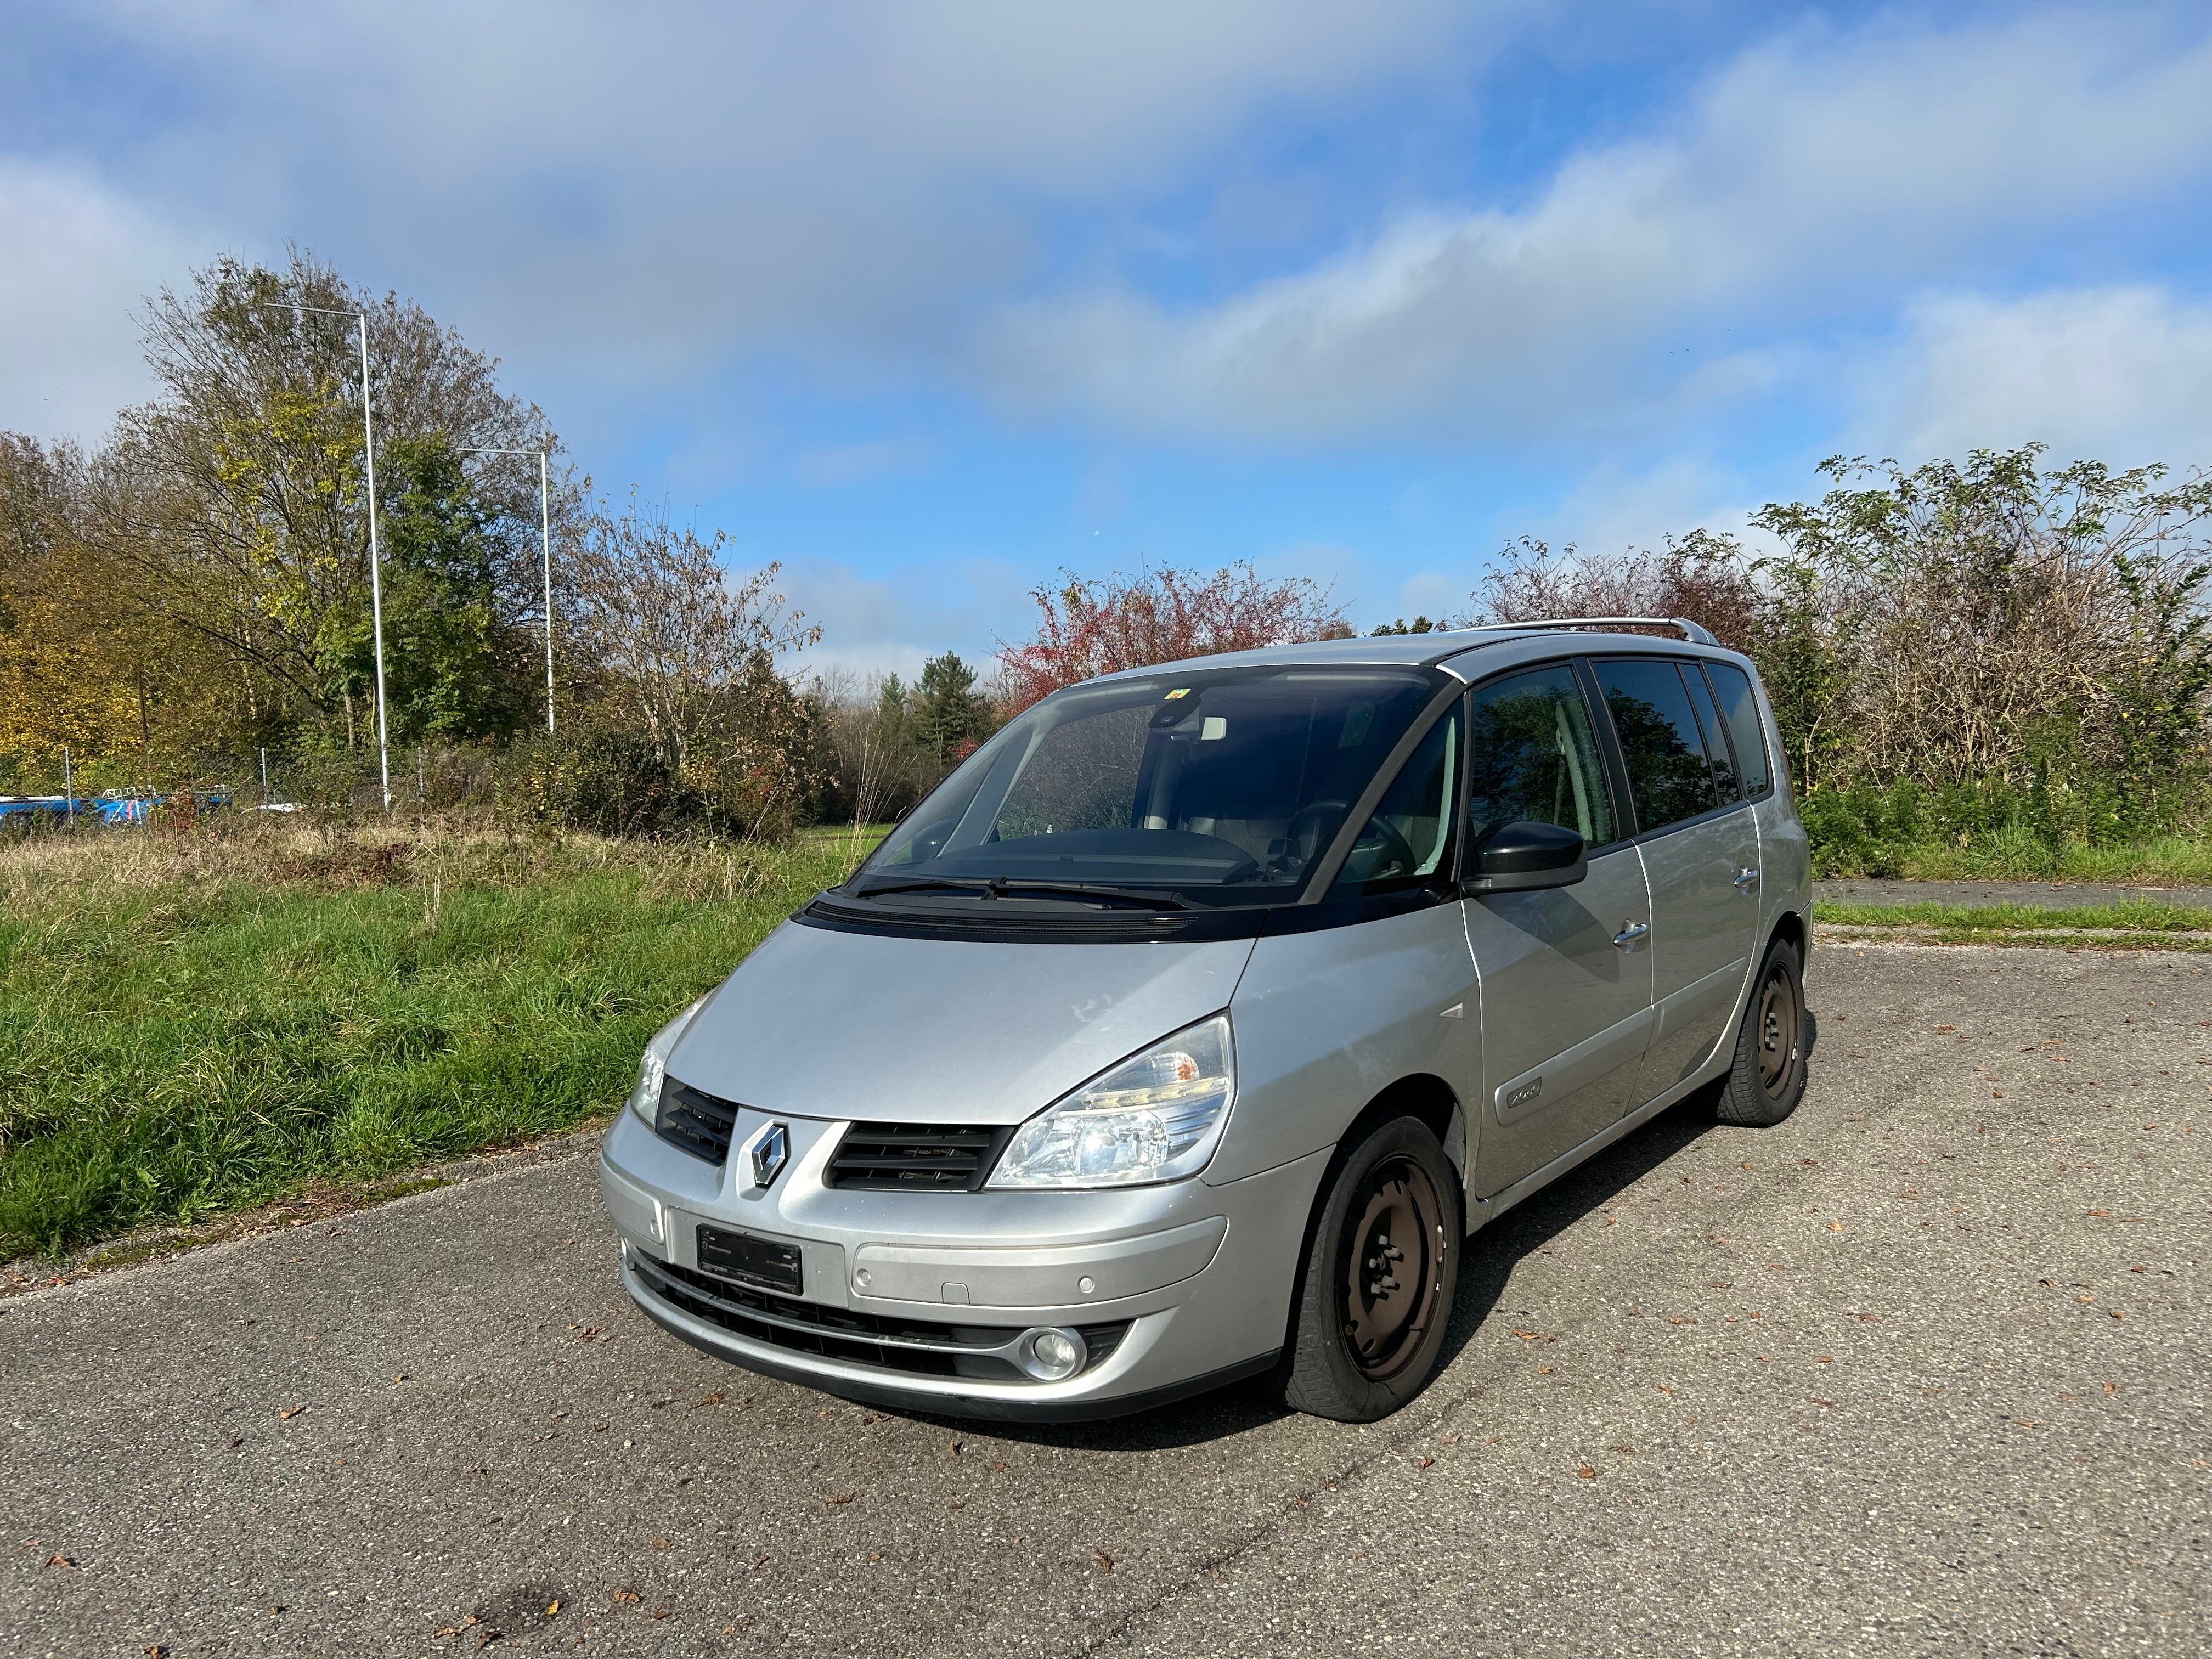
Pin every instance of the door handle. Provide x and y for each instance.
(1744, 879)
(1630, 933)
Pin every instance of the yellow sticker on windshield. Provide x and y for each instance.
(1180, 691)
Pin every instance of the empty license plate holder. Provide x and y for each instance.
(766, 1264)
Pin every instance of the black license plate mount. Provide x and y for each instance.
(765, 1264)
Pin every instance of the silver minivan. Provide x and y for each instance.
(1185, 1032)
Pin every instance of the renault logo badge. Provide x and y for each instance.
(767, 1153)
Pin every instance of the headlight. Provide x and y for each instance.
(653, 1070)
(1155, 1117)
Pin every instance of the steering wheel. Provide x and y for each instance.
(1294, 833)
(1396, 851)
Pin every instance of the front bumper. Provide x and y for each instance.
(916, 1299)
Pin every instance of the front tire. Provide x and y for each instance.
(1767, 1079)
(1381, 1271)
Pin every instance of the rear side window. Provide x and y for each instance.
(1741, 709)
(1665, 751)
(1716, 743)
(1530, 754)
(1407, 838)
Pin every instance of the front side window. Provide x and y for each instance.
(1217, 787)
(1665, 752)
(1741, 709)
(1406, 837)
(1532, 755)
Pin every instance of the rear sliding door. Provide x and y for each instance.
(1700, 844)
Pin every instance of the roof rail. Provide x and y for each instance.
(1693, 632)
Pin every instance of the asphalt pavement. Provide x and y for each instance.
(1923, 1371)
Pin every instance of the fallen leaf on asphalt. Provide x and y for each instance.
(662, 1611)
(1545, 1371)
(2111, 1388)
(1766, 1359)
(1827, 1359)
(660, 1543)
(286, 1416)
(627, 1596)
(1835, 1226)
(711, 1399)
(2116, 1313)
(2100, 1212)
(758, 1562)
(1529, 1336)
(834, 1501)
(1586, 1471)
(59, 1561)
(237, 1441)
(553, 1608)
(1426, 1462)
(1105, 1561)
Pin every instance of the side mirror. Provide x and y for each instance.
(1522, 856)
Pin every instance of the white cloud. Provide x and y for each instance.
(641, 190)
(891, 625)
(1806, 177)
(78, 259)
(2123, 374)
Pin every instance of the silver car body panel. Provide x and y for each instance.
(1565, 1013)
(1470, 1001)
(1342, 1013)
(841, 1025)
(1704, 925)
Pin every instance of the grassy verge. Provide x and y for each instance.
(191, 1027)
(2170, 861)
(2136, 925)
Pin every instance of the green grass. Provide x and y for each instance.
(189, 1029)
(2018, 855)
(2135, 925)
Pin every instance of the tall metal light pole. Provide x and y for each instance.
(375, 562)
(545, 548)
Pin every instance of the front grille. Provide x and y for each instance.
(924, 1348)
(695, 1121)
(916, 1157)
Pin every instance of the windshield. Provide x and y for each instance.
(1219, 787)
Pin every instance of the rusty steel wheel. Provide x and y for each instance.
(1382, 1264)
(1393, 1260)
(1767, 1079)
(1781, 1031)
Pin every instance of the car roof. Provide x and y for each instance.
(1409, 650)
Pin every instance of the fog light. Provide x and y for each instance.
(1053, 1356)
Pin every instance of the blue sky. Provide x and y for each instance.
(929, 302)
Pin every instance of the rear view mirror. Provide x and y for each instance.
(1524, 855)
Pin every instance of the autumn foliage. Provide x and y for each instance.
(1086, 628)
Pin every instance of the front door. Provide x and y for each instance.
(1566, 980)
(1700, 849)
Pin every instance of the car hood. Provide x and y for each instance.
(832, 1024)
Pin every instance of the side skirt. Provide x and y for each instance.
(1482, 1212)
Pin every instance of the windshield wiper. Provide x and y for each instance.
(1000, 886)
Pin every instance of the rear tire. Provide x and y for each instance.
(1381, 1271)
(1767, 1079)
